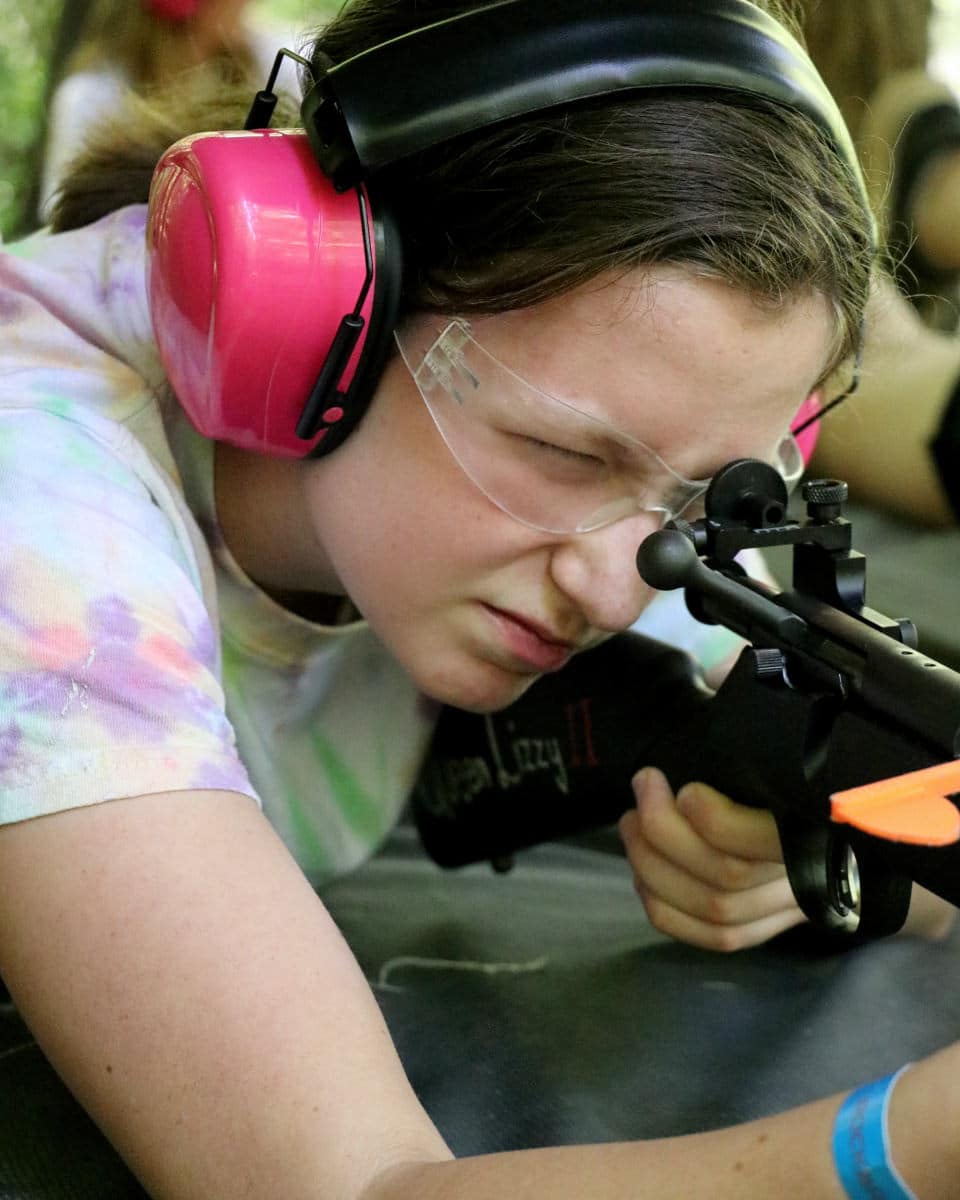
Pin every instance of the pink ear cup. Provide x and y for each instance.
(808, 439)
(253, 260)
(172, 10)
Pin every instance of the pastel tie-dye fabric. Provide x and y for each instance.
(135, 656)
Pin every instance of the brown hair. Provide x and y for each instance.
(736, 188)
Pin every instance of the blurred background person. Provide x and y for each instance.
(877, 57)
(897, 440)
(142, 46)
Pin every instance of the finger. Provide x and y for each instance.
(692, 858)
(661, 881)
(746, 832)
(725, 939)
(657, 825)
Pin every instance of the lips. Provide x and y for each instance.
(530, 644)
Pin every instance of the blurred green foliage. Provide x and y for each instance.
(29, 32)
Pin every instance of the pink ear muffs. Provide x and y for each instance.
(254, 265)
(807, 439)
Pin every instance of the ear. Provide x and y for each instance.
(255, 265)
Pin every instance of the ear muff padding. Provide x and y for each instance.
(254, 262)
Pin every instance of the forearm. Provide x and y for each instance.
(787, 1155)
(762, 1159)
(183, 978)
(216, 1026)
(879, 440)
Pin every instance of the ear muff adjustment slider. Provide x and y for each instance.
(318, 410)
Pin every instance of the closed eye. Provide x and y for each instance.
(577, 457)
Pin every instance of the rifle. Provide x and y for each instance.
(831, 718)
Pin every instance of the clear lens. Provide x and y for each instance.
(541, 460)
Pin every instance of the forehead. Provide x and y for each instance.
(654, 352)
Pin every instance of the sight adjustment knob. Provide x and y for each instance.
(825, 498)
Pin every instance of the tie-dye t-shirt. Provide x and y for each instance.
(135, 655)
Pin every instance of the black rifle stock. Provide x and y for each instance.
(828, 695)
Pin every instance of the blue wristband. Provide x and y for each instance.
(861, 1146)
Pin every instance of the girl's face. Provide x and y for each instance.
(473, 603)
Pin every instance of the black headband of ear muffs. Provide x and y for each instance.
(516, 57)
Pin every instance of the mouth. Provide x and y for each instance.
(532, 647)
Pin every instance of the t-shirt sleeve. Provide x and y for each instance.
(109, 661)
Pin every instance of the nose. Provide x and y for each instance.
(597, 571)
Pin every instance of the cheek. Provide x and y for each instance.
(405, 530)
(396, 519)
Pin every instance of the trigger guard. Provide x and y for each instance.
(815, 857)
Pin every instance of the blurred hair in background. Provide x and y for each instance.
(46, 41)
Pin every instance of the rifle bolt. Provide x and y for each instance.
(768, 662)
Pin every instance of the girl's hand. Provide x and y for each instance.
(708, 871)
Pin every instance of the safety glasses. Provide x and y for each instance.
(539, 459)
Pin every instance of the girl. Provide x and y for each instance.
(221, 660)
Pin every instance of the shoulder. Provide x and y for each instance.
(74, 307)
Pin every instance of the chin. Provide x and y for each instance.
(478, 694)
